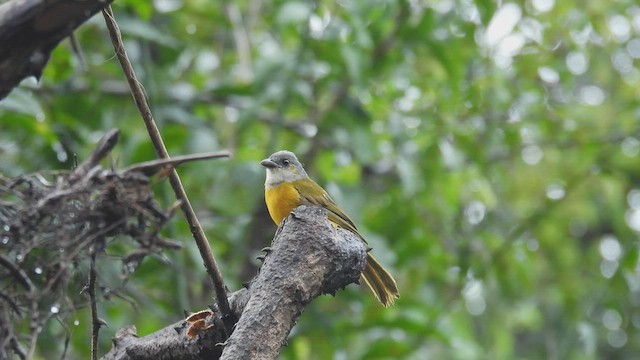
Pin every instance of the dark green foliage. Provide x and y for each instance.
(495, 175)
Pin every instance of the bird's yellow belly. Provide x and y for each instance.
(281, 200)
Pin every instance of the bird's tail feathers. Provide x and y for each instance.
(380, 282)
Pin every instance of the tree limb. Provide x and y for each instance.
(308, 258)
(31, 29)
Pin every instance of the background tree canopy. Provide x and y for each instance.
(488, 152)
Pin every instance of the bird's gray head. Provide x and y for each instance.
(283, 166)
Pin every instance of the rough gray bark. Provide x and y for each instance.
(308, 258)
(31, 29)
(173, 341)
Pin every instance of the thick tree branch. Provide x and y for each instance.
(308, 258)
(31, 29)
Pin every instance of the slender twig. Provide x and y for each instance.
(75, 45)
(152, 167)
(102, 149)
(36, 327)
(17, 273)
(95, 321)
(17, 348)
(11, 303)
(196, 229)
(67, 337)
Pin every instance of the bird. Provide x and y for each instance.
(288, 186)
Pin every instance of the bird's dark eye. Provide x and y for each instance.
(286, 162)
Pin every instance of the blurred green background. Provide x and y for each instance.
(488, 151)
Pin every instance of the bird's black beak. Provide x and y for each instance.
(268, 163)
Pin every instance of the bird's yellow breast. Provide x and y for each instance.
(281, 200)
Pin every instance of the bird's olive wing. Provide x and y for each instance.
(313, 194)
